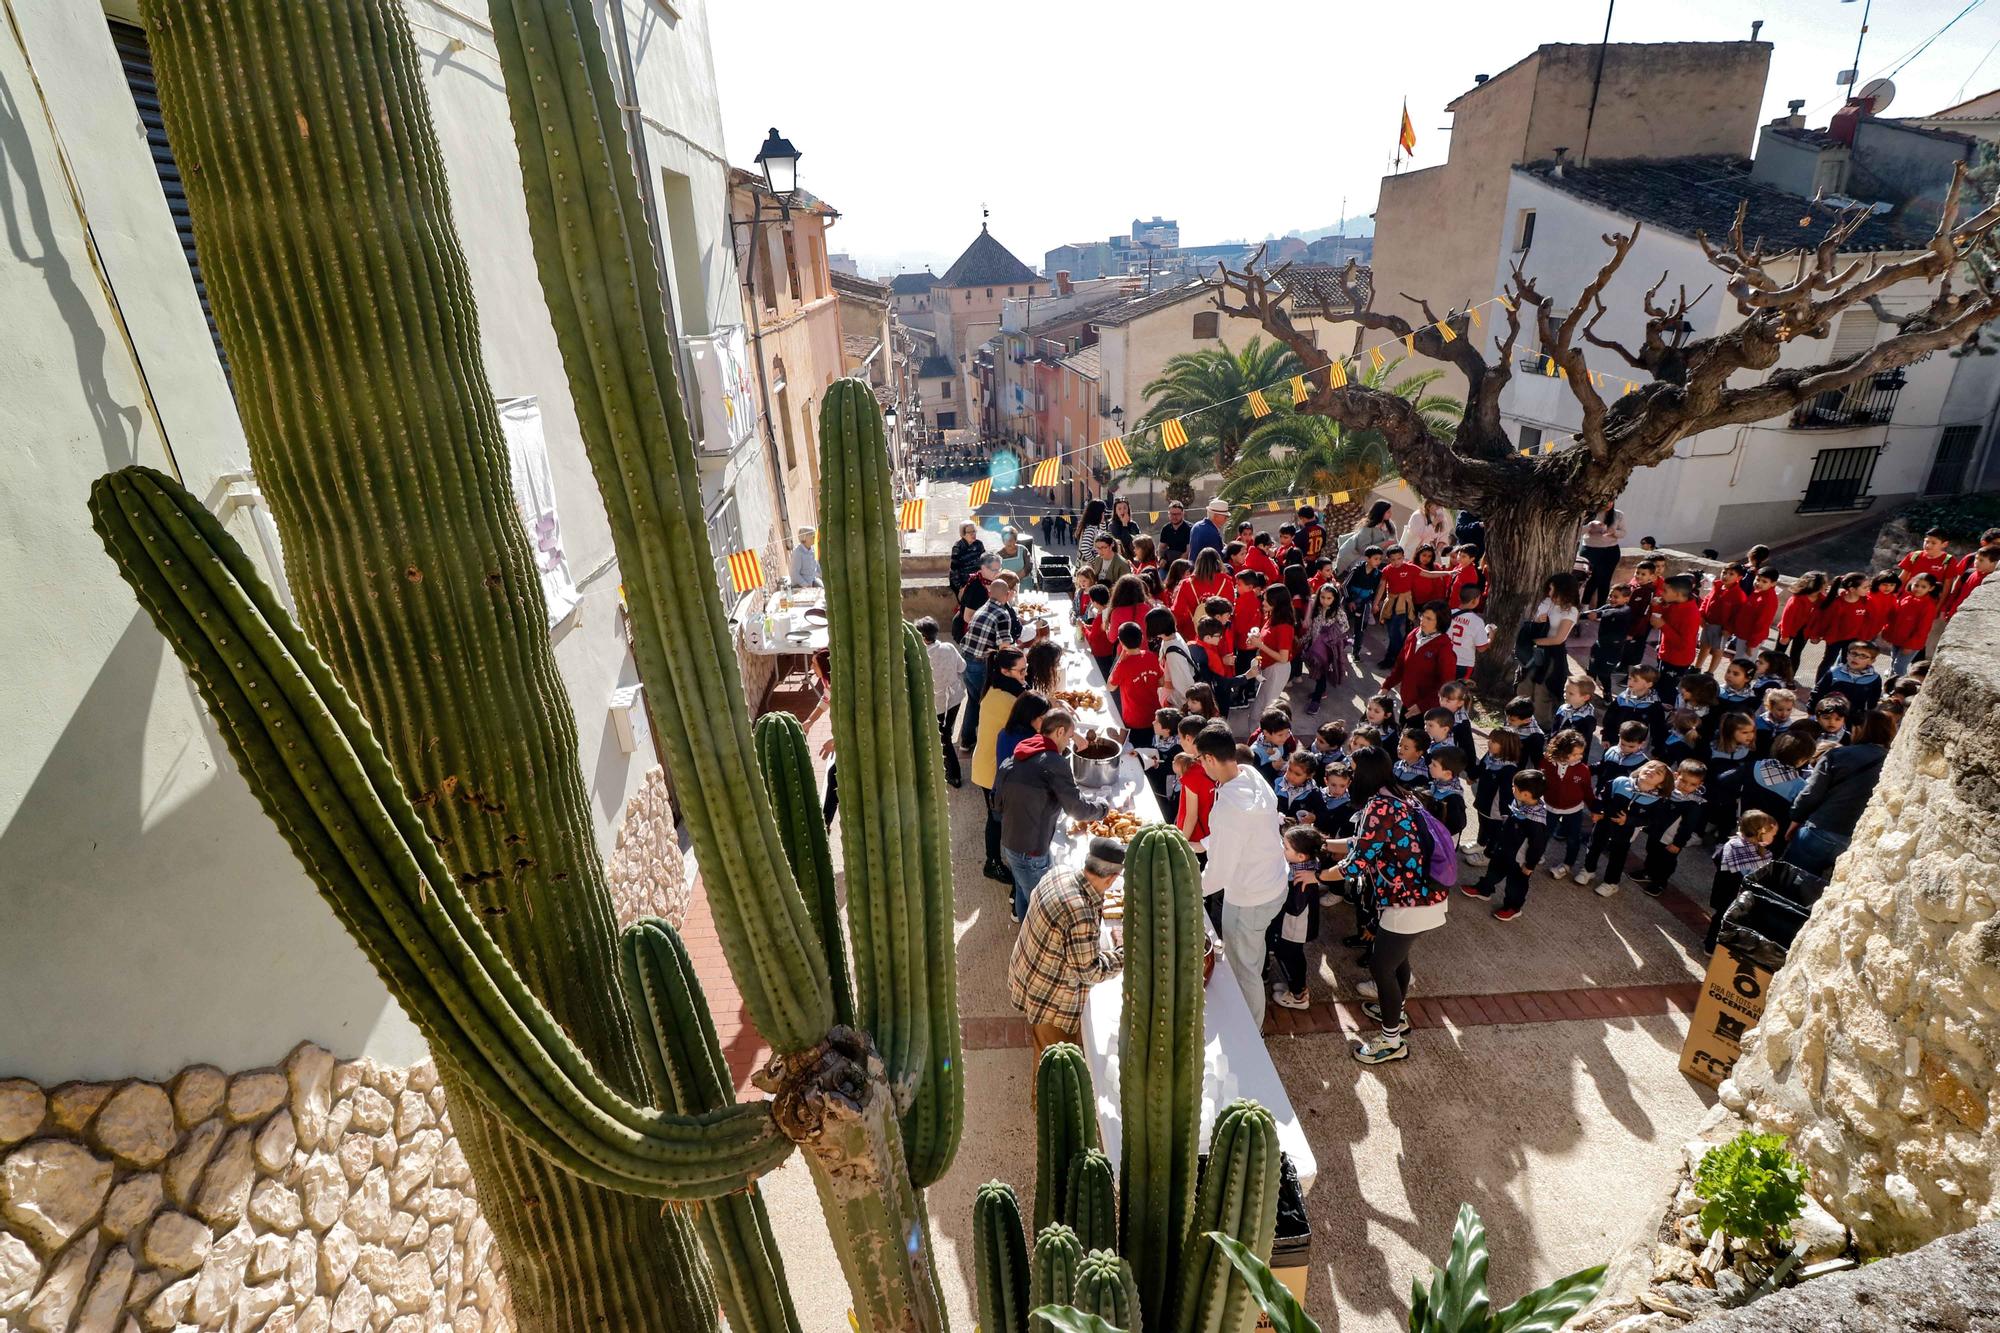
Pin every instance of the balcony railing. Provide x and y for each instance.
(1869, 402)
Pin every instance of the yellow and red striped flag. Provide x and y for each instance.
(1115, 453)
(1410, 343)
(912, 517)
(1548, 446)
(1336, 374)
(1505, 304)
(1047, 472)
(1298, 389)
(1473, 311)
(1258, 407)
(1173, 434)
(981, 492)
(1446, 332)
(1629, 386)
(1406, 137)
(1376, 359)
(746, 571)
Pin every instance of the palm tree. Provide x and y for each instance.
(1292, 455)
(1207, 389)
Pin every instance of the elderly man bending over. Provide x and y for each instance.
(1059, 953)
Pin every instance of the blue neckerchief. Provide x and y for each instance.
(1629, 788)
(1697, 795)
(1780, 777)
(1763, 683)
(1444, 791)
(1525, 729)
(1496, 763)
(1461, 715)
(1765, 722)
(1632, 760)
(1631, 700)
(1730, 696)
(1266, 750)
(1534, 814)
(1433, 748)
(1736, 753)
(1700, 712)
(1409, 770)
(1841, 671)
(1566, 715)
(1333, 802)
(1287, 791)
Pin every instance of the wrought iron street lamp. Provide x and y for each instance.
(779, 162)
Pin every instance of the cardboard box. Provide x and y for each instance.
(1294, 1277)
(1732, 1000)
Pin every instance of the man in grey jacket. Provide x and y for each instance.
(1034, 789)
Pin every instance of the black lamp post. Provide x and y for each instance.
(779, 162)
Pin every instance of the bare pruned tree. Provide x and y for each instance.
(1534, 505)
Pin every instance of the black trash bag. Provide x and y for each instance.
(1293, 1242)
(1760, 926)
(1784, 880)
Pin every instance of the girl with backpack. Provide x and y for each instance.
(1401, 858)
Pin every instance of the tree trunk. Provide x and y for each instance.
(1529, 537)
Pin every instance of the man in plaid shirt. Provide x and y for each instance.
(994, 625)
(1058, 954)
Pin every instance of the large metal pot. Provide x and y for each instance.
(1095, 763)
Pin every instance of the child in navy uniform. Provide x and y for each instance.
(1409, 767)
(1457, 696)
(1684, 738)
(1855, 677)
(1297, 789)
(1524, 837)
(1298, 920)
(1636, 702)
(1736, 860)
(1384, 713)
(1611, 654)
(1520, 714)
(1729, 761)
(1621, 813)
(1674, 824)
(1445, 766)
(1632, 747)
(1336, 812)
(1778, 713)
(1569, 787)
(1773, 672)
(1492, 789)
(1739, 691)
(1578, 711)
(1439, 726)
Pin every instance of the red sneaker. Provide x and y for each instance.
(1507, 914)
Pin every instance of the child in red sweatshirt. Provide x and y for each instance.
(1756, 616)
(1844, 618)
(1677, 616)
(1719, 609)
(1909, 627)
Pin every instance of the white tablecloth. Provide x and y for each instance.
(1235, 1062)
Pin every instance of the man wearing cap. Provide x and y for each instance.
(1174, 534)
(1059, 953)
(1208, 532)
(805, 565)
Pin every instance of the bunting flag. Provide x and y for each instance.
(1047, 472)
(1258, 407)
(981, 492)
(1376, 359)
(1152, 516)
(1298, 389)
(1562, 372)
(1505, 304)
(1115, 453)
(1476, 320)
(1629, 386)
(1338, 498)
(1173, 434)
(1445, 331)
(746, 571)
(912, 518)
(1336, 374)
(1410, 342)
(1272, 507)
(1548, 446)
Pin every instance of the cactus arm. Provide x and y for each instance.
(1105, 1288)
(735, 1230)
(1088, 1202)
(595, 258)
(1239, 1198)
(1052, 1270)
(936, 1119)
(786, 762)
(869, 702)
(1161, 1051)
(1065, 1125)
(320, 774)
(1000, 1260)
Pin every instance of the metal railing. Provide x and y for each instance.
(1868, 402)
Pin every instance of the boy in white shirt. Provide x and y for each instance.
(1468, 630)
(947, 691)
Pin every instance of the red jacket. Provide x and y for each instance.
(1569, 785)
(1249, 614)
(1881, 608)
(1965, 589)
(1754, 617)
(1191, 594)
(1421, 669)
(1723, 602)
(1800, 616)
(1841, 620)
(1910, 623)
(1254, 558)
(1916, 562)
(1680, 630)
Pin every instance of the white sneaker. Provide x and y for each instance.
(1472, 856)
(1583, 878)
(1329, 898)
(1560, 872)
(1284, 999)
(1607, 889)
(1368, 990)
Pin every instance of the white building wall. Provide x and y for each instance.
(1728, 488)
(150, 917)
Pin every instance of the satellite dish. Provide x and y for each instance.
(1878, 93)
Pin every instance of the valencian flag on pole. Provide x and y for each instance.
(1406, 138)
(745, 571)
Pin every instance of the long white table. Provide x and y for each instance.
(1235, 1062)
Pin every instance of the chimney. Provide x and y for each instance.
(1794, 119)
(1756, 26)
(1062, 282)
(1562, 153)
(1478, 79)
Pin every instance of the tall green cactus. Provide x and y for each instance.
(1052, 1269)
(1065, 1125)
(1161, 1055)
(322, 216)
(999, 1260)
(1239, 1198)
(1089, 1202)
(786, 763)
(1105, 1287)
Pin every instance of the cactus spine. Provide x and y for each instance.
(345, 306)
(786, 763)
(1053, 1265)
(1065, 1125)
(999, 1259)
(1239, 1198)
(1089, 1200)
(1105, 1288)
(1161, 1060)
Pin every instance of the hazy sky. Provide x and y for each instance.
(1241, 119)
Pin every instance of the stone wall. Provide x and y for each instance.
(323, 1195)
(646, 873)
(1878, 1047)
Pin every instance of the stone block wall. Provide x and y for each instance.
(323, 1195)
(1880, 1038)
